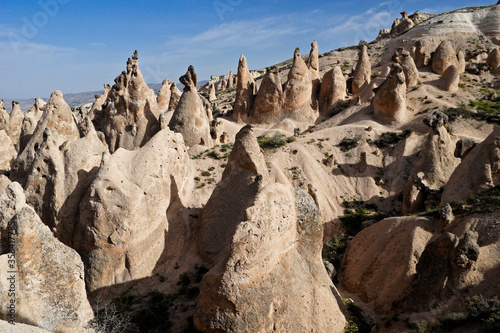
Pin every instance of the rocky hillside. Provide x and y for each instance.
(351, 191)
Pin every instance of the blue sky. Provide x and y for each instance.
(76, 46)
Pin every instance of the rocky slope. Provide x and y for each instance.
(208, 210)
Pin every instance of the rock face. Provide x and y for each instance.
(479, 170)
(245, 91)
(402, 25)
(451, 78)
(123, 217)
(298, 91)
(190, 118)
(175, 96)
(422, 56)
(444, 56)
(313, 65)
(410, 69)
(212, 95)
(4, 117)
(50, 291)
(57, 120)
(267, 104)
(130, 118)
(461, 61)
(164, 95)
(333, 91)
(30, 121)
(16, 118)
(244, 291)
(7, 152)
(389, 102)
(494, 59)
(230, 80)
(363, 71)
(95, 112)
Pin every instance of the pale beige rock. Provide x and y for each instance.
(410, 70)
(333, 91)
(245, 91)
(402, 25)
(494, 59)
(4, 117)
(479, 170)
(313, 65)
(16, 118)
(50, 280)
(164, 95)
(212, 95)
(461, 61)
(7, 152)
(389, 102)
(362, 72)
(131, 115)
(19, 328)
(298, 92)
(267, 106)
(57, 119)
(4, 182)
(391, 245)
(125, 218)
(230, 80)
(384, 33)
(175, 96)
(30, 122)
(190, 118)
(443, 57)
(451, 78)
(99, 103)
(422, 56)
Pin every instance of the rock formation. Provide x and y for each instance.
(30, 122)
(402, 25)
(212, 95)
(409, 69)
(243, 292)
(4, 117)
(422, 56)
(333, 91)
(461, 61)
(124, 217)
(245, 91)
(463, 147)
(7, 152)
(190, 118)
(389, 102)
(130, 118)
(95, 113)
(267, 104)
(451, 78)
(175, 96)
(164, 94)
(50, 288)
(298, 91)
(313, 65)
(230, 80)
(16, 118)
(494, 59)
(479, 170)
(362, 73)
(444, 56)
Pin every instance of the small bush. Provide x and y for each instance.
(389, 139)
(206, 174)
(214, 154)
(357, 322)
(349, 143)
(276, 141)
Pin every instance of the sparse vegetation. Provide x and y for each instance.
(389, 139)
(485, 111)
(349, 143)
(276, 141)
(357, 322)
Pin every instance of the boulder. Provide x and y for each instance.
(190, 118)
(267, 104)
(164, 94)
(245, 91)
(494, 59)
(363, 71)
(333, 91)
(463, 147)
(50, 287)
(444, 56)
(389, 102)
(451, 78)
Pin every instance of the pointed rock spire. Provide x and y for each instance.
(444, 56)
(362, 72)
(267, 104)
(212, 95)
(164, 94)
(245, 91)
(175, 96)
(389, 102)
(333, 90)
(230, 80)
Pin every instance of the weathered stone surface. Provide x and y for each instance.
(245, 91)
(402, 25)
(479, 170)
(463, 147)
(175, 96)
(313, 65)
(410, 70)
(212, 95)
(16, 118)
(50, 282)
(164, 95)
(267, 105)
(333, 91)
(363, 71)
(190, 118)
(422, 55)
(57, 120)
(444, 56)
(100, 103)
(7, 152)
(494, 59)
(389, 102)
(461, 61)
(123, 217)
(230, 80)
(4, 117)
(451, 78)
(20, 328)
(30, 122)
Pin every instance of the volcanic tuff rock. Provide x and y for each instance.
(262, 244)
(164, 94)
(211, 95)
(478, 171)
(230, 80)
(494, 59)
(30, 122)
(50, 284)
(130, 117)
(422, 56)
(95, 113)
(190, 118)
(4, 117)
(362, 73)
(443, 57)
(267, 104)
(461, 61)
(451, 78)
(175, 96)
(245, 90)
(123, 222)
(333, 91)
(16, 118)
(7, 152)
(402, 25)
(389, 102)
(410, 70)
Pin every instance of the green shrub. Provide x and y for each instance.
(276, 141)
(389, 139)
(349, 143)
(357, 322)
(206, 174)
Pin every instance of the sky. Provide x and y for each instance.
(77, 46)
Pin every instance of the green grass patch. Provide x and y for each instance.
(275, 141)
(487, 111)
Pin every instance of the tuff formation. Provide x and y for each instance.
(362, 73)
(443, 57)
(267, 106)
(389, 102)
(245, 91)
(333, 91)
